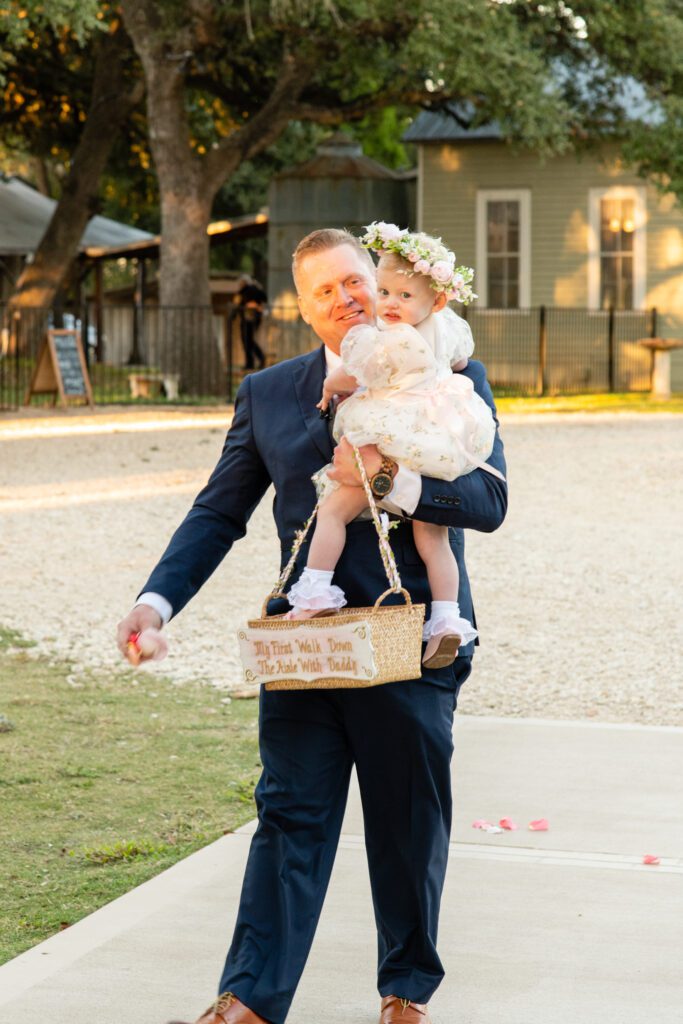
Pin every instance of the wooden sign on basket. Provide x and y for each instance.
(61, 369)
(357, 647)
(342, 652)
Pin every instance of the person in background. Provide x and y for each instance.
(252, 303)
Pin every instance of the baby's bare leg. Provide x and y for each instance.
(336, 511)
(433, 548)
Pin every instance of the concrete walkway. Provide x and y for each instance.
(561, 927)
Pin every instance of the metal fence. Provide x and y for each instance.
(550, 350)
(193, 354)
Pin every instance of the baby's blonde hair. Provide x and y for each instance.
(392, 261)
(400, 265)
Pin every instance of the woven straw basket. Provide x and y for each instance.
(395, 630)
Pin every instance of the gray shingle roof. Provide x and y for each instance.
(440, 126)
(25, 214)
(631, 102)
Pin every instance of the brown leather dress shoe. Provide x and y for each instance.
(402, 1011)
(227, 1009)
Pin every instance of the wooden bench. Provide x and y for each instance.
(154, 385)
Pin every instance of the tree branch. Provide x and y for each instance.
(266, 126)
(358, 108)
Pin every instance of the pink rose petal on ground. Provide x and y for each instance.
(540, 825)
(508, 824)
(480, 823)
(651, 858)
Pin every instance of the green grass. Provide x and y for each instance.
(628, 402)
(104, 782)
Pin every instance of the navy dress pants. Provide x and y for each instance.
(399, 736)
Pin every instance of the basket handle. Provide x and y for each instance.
(408, 599)
(385, 551)
(264, 606)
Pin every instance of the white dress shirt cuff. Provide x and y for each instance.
(158, 603)
(404, 496)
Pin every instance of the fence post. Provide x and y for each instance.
(84, 331)
(610, 349)
(653, 334)
(229, 318)
(99, 317)
(542, 352)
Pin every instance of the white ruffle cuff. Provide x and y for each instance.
(450, 624)
(311, 595)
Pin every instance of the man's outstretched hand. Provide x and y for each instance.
(140, 618)
(345, 470)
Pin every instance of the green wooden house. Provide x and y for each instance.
(567, 233)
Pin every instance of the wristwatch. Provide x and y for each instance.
(382, 482)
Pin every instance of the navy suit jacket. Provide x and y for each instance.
(277, 437)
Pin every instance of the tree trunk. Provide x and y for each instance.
(189, 347)
(185, 215)
(109, 108)
(188, 183)
(186, 344)
(186, 195)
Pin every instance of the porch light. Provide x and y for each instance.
(629, 225)
(615, 224)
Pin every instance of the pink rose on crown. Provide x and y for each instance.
(413, 257)
(422, 267)
(442, 272)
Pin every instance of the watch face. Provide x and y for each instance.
(381, 484)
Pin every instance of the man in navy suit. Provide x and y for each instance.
(398, 736)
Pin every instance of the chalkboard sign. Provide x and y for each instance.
(61, 369)
(68, 349)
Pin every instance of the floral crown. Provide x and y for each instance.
(428, 255)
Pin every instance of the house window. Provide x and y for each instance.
(617, 228)
(617, 254)
(503, 241)
(502, 246)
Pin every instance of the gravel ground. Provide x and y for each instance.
(578, 595)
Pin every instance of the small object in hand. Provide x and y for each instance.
(152, 644)
(540, 825)
(651, 858)
(133, 649)
(148, 645)
(325, 413)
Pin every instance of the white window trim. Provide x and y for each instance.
(481, 285)
(419, 213)
(595, 195)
